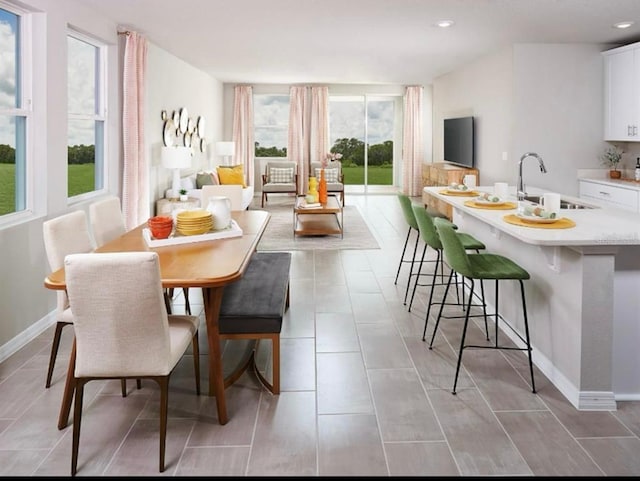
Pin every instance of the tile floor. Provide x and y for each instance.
(362, 395)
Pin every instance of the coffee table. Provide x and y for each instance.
(327, 219)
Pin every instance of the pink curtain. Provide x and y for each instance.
(297, 138)
(412, 142)
(319, 123)
(243, 130)
(135, 183)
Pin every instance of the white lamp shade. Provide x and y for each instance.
(176, 157)
(225, 148)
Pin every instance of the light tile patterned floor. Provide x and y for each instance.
(361, 395)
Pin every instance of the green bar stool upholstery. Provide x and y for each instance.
(480, 267)
(407, 212)
(430, 237)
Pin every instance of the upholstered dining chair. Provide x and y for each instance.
(122, 329)
(65, 234)
(333, 176)
(106, 219)
(280, 177)
(107, 223)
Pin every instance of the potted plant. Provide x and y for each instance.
(611, 158)
(183, 195)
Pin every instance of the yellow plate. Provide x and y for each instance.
(190, 215)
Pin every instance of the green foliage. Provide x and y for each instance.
(352, 151)
(269, 151)
(7, 188)
(81, 154)
(612, 157)
(7, 154)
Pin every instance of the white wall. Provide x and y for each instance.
(482, 89)
(558, 112)
(173, 84)
(543, 98)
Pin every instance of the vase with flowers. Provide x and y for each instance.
(322, 184)
(611, 158)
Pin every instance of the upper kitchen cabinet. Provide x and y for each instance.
(622, 93)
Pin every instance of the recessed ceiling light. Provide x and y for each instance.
(444, 23)
(622, 24)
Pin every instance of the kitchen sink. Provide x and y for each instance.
(564, 204)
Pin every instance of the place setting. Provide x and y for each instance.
(464, 189)
(545, 215)
(495, 201)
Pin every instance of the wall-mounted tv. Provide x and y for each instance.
(459, 141)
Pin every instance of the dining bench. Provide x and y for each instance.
(253, 308)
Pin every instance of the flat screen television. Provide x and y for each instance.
(459, 141)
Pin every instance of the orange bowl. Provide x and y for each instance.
(160, 226)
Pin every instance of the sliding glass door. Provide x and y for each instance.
(365, 129)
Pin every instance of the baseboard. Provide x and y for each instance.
(26, 336)
(581, 400)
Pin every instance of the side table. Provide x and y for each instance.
(169, 206)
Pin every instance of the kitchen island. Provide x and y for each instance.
(583, 298)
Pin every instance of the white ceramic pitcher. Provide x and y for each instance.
(220, 208)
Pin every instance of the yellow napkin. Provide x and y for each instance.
(562, 223)
(462, 193)
(505, 206)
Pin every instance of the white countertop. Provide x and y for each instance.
(594, 227)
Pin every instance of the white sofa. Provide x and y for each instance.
(189, 184)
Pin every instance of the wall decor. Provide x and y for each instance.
(181, 130)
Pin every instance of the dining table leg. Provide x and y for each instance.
(212, 297)
(69, 389)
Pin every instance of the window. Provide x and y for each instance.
(360, 121)
(271, 125)
(14, 110)
(86, 111)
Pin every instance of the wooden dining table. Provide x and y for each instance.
(210, 265)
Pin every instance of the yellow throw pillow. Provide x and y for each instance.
(231, 175)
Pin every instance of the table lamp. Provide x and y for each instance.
(226, 150)
(176, 158)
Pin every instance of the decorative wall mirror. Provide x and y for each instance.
(184, 120)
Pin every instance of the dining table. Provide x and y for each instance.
(210, 265)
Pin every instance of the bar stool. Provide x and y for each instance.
(407, 212)
(481, 266)
(430, 237)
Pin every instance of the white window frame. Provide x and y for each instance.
(23, 190)
(100, 115)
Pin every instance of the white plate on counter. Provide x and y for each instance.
(481, 201)
(534, 219)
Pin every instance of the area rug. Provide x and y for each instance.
(278, 235)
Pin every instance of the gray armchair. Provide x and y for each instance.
(335, 185)
(280, 177)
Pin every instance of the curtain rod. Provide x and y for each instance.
(126, 32)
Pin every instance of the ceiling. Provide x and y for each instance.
(360, 41)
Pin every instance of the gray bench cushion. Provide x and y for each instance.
(256, 303)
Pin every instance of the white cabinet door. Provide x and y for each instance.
(609, 195)
(622, 93)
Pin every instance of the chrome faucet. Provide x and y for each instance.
(521, 192)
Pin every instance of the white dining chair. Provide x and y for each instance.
(122, 329)
(66, 234)
(107, 223)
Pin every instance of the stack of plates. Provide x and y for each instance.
(194, 222)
